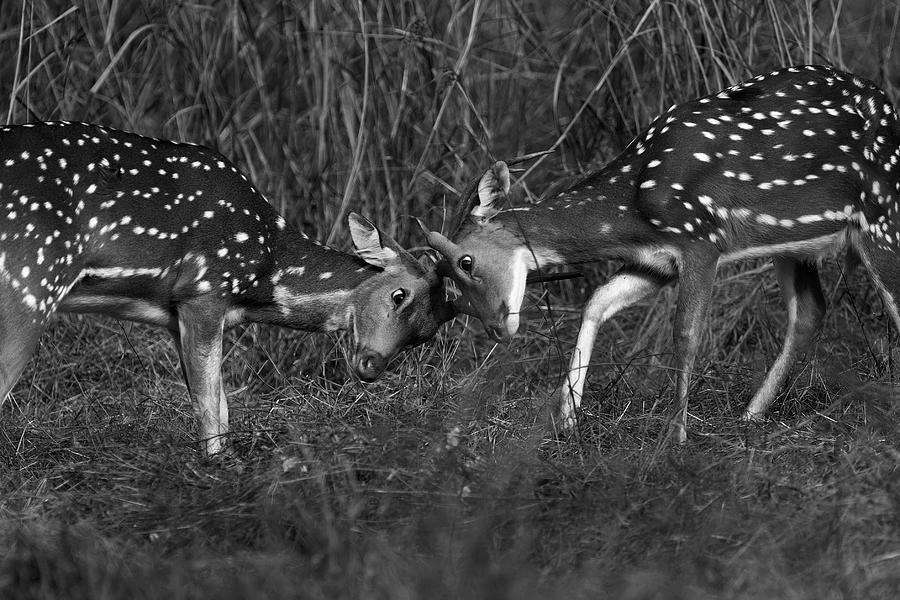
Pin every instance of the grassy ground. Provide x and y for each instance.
(441, 480)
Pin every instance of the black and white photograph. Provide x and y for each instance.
(449, 299)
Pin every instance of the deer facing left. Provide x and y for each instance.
(172, 234)
(796, 165)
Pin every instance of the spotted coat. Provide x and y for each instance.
(107, 214)
(801, 152)
(98, 220)
(795, 165)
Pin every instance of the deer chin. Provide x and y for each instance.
(369, 364)
(512, 323)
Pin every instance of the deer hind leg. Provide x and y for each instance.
(623, 289)
(697, 273)
(883, 266)
(20, 329)
(799, 282)
(199, 342)
(26, 304)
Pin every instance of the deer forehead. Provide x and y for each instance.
(406, 276)
(487, 239)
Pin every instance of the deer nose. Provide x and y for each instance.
(369, 365)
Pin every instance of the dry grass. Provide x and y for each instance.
(439, 481)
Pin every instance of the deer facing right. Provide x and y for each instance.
(796, 165)
(172, 234)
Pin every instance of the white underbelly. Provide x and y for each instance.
(130, 309)
(814, 248)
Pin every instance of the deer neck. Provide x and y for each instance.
(594, 220)
(311, 285)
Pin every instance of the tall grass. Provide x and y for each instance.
(438, 481)
(390, 107)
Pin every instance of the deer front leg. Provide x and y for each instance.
(696, 275)
(224, 427)
(200, 329)
(623, 289)
(799, 283)
(223, 398)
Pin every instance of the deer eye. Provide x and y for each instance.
(398, 296)
(465, 263)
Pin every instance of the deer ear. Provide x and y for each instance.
(372, 246)
(492, 190)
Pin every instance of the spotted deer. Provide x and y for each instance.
(97, 220)
(796, 165)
